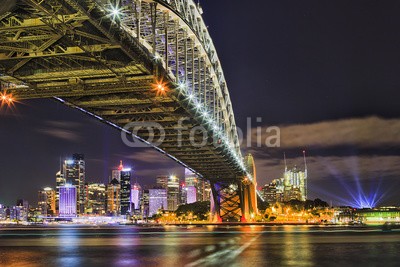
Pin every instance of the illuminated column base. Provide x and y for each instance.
(227, 198)
(249, 201)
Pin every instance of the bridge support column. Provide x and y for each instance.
(249, 201)
(227, 201)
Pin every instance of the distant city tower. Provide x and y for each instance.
(126, 191)
(68, 199)
(74, 174)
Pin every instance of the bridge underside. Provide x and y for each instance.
(70, 50)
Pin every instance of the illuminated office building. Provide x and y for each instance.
(20, 211)
(293, 185)
(172, 193)
(113, 198)
(68, 199)
(96, 199)
(116, 173)
(74, 174)
(190, 178)
(135, 196)
(3, 212)
(182, 193)
(125, 191)
(203, 190)
(191, 194)
(157, 200)
(162, 181)
(60, 181)
(144, 203)
(203, 187)
(47, 201)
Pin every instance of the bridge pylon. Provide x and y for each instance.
(235, 200)
(227, 199)
(249, 190)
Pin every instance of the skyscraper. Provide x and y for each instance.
(116, 173)
(74, 174)
(47, 201)
(68, 199)
(295, 182)
(125, 191)
(190, 178)
(60, 181)
(292, 186)
(206, 190)
(182, 193)
(190, 194)
(3, 213)
(162, 181)
(157, 200)
(20, 211)
(203, 187)
(144, 203)
(135, 196)
(113, 198)
(96, 199)
(172, 193)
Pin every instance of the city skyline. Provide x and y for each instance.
(65, 177)
(354, 95)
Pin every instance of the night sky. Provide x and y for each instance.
(325, 72)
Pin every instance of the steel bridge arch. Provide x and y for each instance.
(193, 28)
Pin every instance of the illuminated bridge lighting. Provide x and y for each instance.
(115, 12)
(156, 57)
(7, 99)
(182, 86)
(160, 87)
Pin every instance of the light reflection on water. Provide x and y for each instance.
(68, 243)
(297, 251)
(198, 246)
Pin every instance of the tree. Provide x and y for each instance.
(262, 205)
(200, 209)
(318, 203)
(296, 204)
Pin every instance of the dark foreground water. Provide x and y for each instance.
(200, 246)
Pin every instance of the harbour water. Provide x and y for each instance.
(199, 246)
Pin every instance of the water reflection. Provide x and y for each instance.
(296, 249)
(197, 246)
(68, 243)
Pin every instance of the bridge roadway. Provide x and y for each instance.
(133, 61)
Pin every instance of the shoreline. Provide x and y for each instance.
(222, 225)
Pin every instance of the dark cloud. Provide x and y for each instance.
(149, 156)
(362, 133)
(64, 130)
(64, 124)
